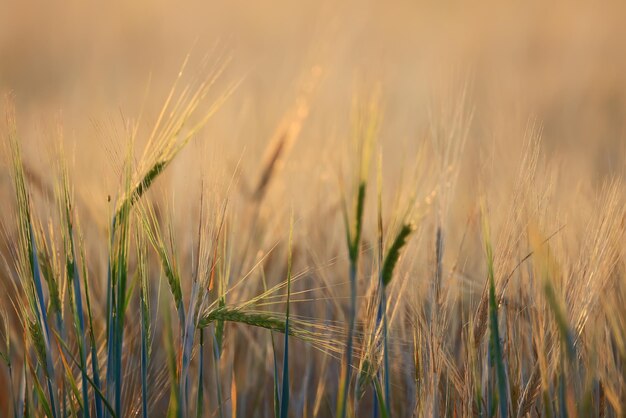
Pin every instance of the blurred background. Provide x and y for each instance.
(82, 71)
(560, 62)
(88, 70)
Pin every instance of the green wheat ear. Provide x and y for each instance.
(393, 254)
(235, 315)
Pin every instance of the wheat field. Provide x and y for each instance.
(313, 209)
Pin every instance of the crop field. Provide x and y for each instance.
(313, 209)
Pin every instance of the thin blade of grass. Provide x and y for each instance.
(276, 391)
(200, 397)
(284, 402)
(144, 310)
(174, 407)
(384, 408)
(187, 345)
(95, 367)
(218, 386)
(76, 304)
(493, 323)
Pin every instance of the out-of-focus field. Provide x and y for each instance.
(512, 112)
(561, 64)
